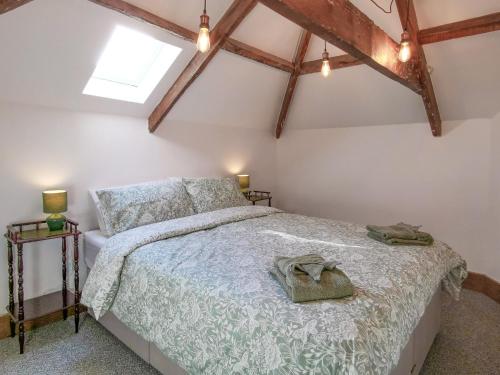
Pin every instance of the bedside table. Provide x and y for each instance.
(22, 233)
(258, 195)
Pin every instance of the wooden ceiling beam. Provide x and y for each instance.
(140, 14)
(230, 45)
(300, 53)
(227, 24)
(242, 49)
(418, 60)
(336, 62)
(460, 29)
(340, 23)
(8, 5)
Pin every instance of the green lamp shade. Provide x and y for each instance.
(55, 202)
(244, 181)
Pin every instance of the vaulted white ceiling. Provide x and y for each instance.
(49, 49)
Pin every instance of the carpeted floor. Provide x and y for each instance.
(469, 340)
(469, 344)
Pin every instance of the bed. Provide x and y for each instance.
(194, 295)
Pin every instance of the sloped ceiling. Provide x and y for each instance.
(50, 48)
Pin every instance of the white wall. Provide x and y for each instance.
(375, 174)
(43, 148)
(387, 174)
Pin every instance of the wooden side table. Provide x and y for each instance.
(19, 234)
(258, 195)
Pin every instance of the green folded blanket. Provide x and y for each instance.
(399, 234)
(301, 287)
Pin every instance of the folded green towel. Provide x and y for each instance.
(312, 264)
(301, 287)
(399, 241)
(399, 234)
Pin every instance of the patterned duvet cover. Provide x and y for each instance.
(199, 288)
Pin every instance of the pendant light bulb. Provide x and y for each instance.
(203, 42)
(325, 65)
(325, 68)
(404, 48)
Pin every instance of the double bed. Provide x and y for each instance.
(194, 295)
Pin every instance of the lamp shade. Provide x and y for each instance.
(244, 181)
(55, 201)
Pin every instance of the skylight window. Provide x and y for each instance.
(131, 66)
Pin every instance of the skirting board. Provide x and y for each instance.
(483, 284)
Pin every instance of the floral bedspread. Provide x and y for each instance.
(199, 288)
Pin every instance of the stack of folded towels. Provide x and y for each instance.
(310, 278)
(399, 234)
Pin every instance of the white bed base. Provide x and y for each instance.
(410, 362)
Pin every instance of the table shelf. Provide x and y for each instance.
(36, 231)
(44, 305)
(258, 195)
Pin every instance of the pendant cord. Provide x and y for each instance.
(325, 45)
(382, 9)
(205, 7)
(390, 11)
(407, 14)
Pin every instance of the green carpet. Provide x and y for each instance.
(469, 340)
(468, 344)
(56, 350)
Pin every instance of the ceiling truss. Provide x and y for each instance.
(338, 22)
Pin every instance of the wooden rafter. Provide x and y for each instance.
(345, 26)
(8, 5)
(473, 26)
(148, 17)
(420, 63)
(256, 54)
(300, 53)
(227, 24)
(229, 45)
(336, 62)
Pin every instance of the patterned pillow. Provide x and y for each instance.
(210, 194)
(127, 207)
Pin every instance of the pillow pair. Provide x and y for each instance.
(127, 207)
